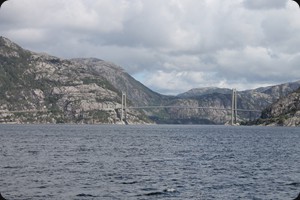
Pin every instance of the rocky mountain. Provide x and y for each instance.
(40, 88)
(284, 112)
(257, 99)
(196, 92)
(64, 91)
(122, 81)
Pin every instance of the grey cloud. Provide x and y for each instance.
(276, 29)
(170, 45)
(264, 4)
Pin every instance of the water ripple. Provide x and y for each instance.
(148, 162)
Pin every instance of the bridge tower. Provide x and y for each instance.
(123, 107)
(234, 107)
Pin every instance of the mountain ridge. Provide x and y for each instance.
(284, 112)
(89, 90)
(71, 91)
(256, 99)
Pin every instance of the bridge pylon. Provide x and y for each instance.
(123, 107)
(234, 107)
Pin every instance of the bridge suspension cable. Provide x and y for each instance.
(233, 108)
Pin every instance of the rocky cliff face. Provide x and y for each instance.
(284, 112)
(63, 91)
(122, 81)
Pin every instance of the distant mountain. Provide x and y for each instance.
(261, 98)
(89, 90)
(256, 99)
(284, 112)
(197, 92)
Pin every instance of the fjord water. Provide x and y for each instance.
(149, 162)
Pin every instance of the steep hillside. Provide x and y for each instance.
(284, 112)
(64, 91)
(197, 92)
(122, 81)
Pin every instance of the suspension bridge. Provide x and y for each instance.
(124, 108)
(234, 110)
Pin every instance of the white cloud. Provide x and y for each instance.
(172, 45)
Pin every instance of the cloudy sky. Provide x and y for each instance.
(170, 46)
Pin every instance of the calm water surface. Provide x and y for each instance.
(79, 162)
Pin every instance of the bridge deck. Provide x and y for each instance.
(139, 107)
(190, 107)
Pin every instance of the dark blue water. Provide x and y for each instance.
(149, 162)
